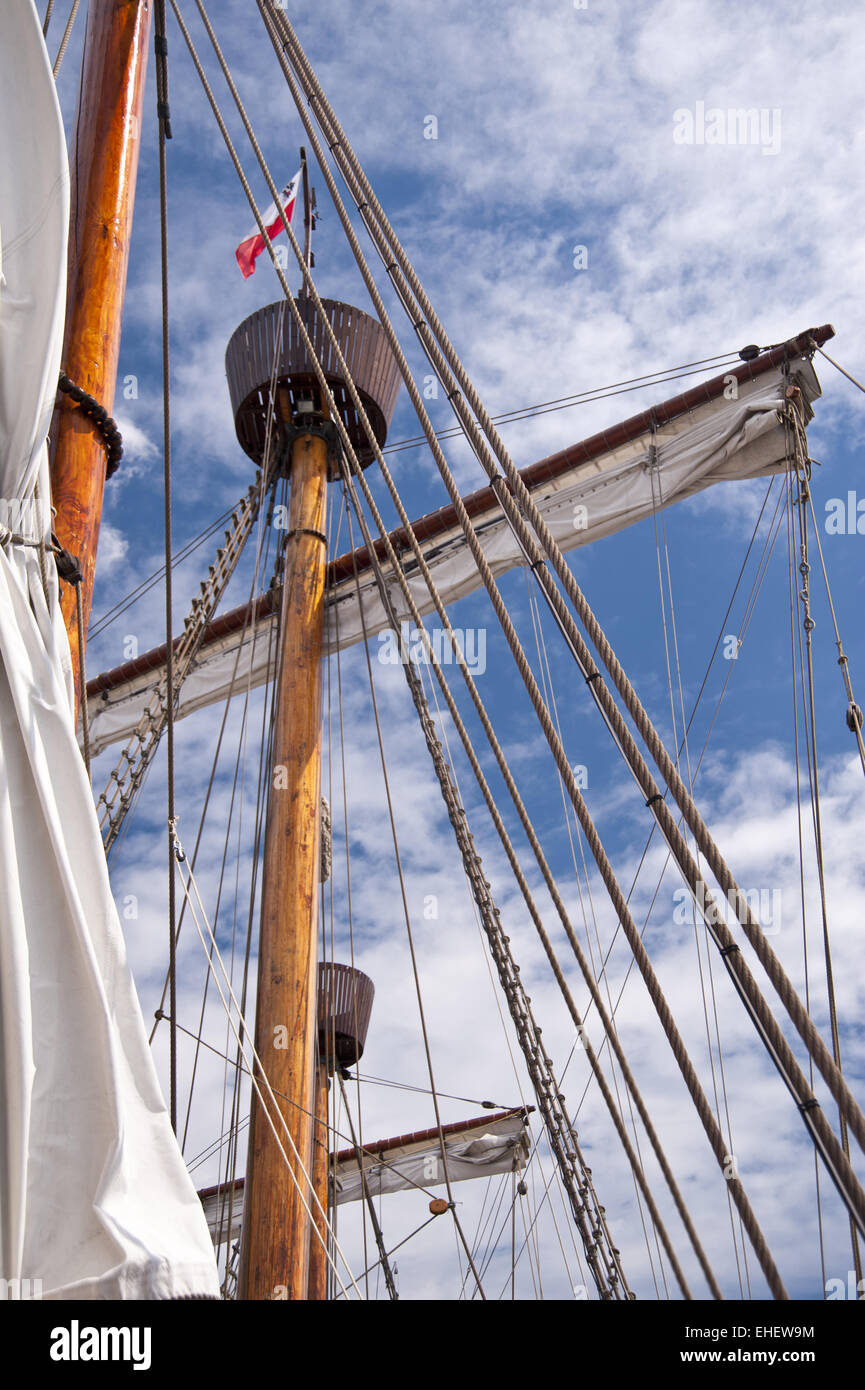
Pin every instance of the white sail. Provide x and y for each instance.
(476, 1149)
(95, 1201)
(735, 433)
(479, 1149)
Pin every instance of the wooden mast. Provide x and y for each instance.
(275, 1247)
(104, 166)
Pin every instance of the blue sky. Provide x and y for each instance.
(554, 130)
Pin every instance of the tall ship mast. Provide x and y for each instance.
(458, 990)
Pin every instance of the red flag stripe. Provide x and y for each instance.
(253, 244)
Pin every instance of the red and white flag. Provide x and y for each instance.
(252, 245)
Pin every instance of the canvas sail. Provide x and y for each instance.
(478, 1148)
(729, 429)
(95, 1201)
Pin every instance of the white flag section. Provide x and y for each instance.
(95, 1201)
(253, 243)
(479, 1149)
(715, 441)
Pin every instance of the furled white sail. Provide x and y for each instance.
(499, 1145)
(95, 1201)
(476, 1149)
(736, 433)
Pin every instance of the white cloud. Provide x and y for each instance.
(113, 546)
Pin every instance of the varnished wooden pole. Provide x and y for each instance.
(320, 1165)
(104, 166)
(275, 1247)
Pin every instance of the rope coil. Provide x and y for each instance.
(112, 439)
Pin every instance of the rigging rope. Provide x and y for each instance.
(794, 634)
(253, 1062)
(746, 987)
(301, 327)
(841, 369)
(160, 46)
(550, 698)
(443, 357)
(801, 464)
(598, 393)
(367, 1197)
(407, 916)
(660, 528)
(67, 34)
(560, 1130)
(593, 683)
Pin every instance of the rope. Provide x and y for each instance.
(421, 313)
(120, 607)
(854, 712)
(795, 639)
(260, 551)
(484, 569)
(82, 679)
(256, 1062)
(597, 393)
(293, 242)
(69, 570)
(160, 46)
(660, 526)
(367, 1196)
(556, 1170)
(67, 32)
(407, 916)
(536, 917)
(802, 470)
(841, 369)
(112, 440)
(550, 698)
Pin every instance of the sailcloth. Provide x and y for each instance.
(95, 1201)
(590, 490)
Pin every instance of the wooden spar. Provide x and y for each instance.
(320, 1166)
(104, 166)
(481, 503)
(275, 1247)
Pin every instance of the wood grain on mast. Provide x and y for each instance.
(104, 169)
(276, 1233)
